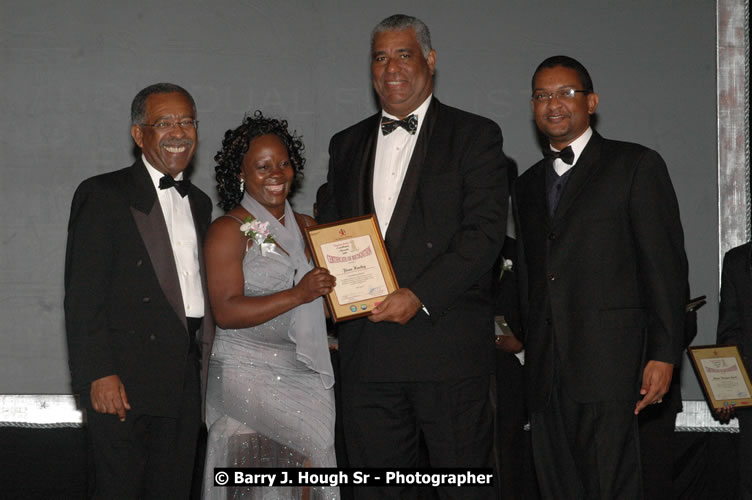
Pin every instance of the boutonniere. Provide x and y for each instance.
(506, 266)
(260, 234)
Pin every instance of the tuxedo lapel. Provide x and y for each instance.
(398, 223)
(539, 200)
(151, 225)
(364, 188)
(587, 165)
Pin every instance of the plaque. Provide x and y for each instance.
(353, 251)
(722, 375)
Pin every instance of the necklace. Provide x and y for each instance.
(280, 218)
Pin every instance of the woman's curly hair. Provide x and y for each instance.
(235, 145)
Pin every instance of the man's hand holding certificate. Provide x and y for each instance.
(354, 253)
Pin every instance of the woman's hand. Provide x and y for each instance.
(315, 283)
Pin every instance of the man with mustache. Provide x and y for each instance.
(602, 276)
(135, 306)
(419, 367)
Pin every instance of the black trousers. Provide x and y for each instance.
(745, 454)
(586, 451)
(383, 423)
(146, 456)
(510, 421)
(657, 445)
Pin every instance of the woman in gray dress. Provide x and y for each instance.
(269, 396)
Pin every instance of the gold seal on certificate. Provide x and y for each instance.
(722, 375)
(353, 251)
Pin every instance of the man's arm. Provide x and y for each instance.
(662, 263)
(88, 264)
(729, 312)
(729, 318)
(478, 241)
(327, 209)
(520, 268)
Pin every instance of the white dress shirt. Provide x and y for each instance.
(577, 146)
(393, 153)
(179, 219)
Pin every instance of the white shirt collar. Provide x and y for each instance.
(419, 112)
(578, 145)
(156, 174)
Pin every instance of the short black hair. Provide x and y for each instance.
(138, 106)
(566, 62)
(235, 145)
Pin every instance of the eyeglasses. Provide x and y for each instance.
(184, 124)
(563, 94)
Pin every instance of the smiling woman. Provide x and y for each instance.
(270, 375)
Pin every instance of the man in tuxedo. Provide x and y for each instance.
(135, 306)
(602, 276)
(434, 176)
(735, 328)
(511, 417)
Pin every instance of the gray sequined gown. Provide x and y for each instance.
(264, 408)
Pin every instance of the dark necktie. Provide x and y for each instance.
(166, 182)
(555, 184)
(566, 155)
(388, 125)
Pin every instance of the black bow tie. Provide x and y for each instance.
(566, 155)
(181, 187)
(388, 125)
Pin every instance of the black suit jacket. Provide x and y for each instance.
(507, 303)
(735, 313)
(603, 282)
(447, 228)
(124, 310)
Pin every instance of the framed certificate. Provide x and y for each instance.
(722, 375)
(353, 251)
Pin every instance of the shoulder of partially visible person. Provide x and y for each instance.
(305, 220)
(737, 255)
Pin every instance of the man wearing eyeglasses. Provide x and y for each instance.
(603, 285)
(136, 309)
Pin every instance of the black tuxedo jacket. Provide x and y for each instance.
(603, 283)
(507, 303)
(124, 310)
(735, 313)
(447, 228)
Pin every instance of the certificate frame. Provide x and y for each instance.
(722, 375)
(338, 236)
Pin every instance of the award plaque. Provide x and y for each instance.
(353, 251)
(722, 375)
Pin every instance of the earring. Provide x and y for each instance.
(242, 185)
